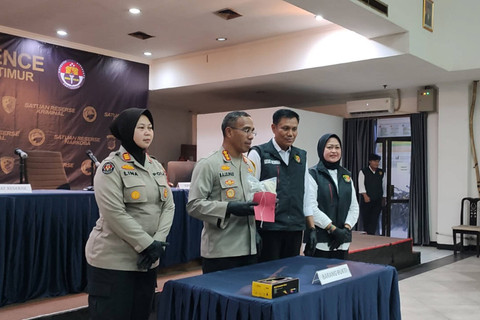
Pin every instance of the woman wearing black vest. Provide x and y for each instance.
(336, 212)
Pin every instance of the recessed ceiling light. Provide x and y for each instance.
(221, 39)
(134, 11)
(62, 33)
(318, 17)
(147, 53)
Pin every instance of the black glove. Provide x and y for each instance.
(339, 236)
(241, 208)
(151, 254)
(349, 235)
(311, 242)
(259, 242)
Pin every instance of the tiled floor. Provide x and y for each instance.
(443, 287)
(431, 253)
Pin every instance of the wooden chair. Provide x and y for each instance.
(469, 215)
(44, 170)
(180, 171)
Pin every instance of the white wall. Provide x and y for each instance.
(312, 126)
(455, 24)
(454, 164)
(172, 128)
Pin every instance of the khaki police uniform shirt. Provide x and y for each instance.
(136, 207)
(216, 180)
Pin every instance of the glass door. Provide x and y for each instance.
(396, 153)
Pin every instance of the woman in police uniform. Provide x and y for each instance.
(136, 212)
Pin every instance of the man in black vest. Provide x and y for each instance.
(371, 186)
(279, 158)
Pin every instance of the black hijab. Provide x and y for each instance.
(321, 147)
(123, 128)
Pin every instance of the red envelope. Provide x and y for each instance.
(265, 211)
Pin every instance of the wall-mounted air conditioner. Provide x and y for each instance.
(370, 107)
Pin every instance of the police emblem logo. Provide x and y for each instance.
(86, 167)
(89, 114)
(71, 74)
(135, 195)
(36, 137)
(8, 103)
(229, 182)
(7, 164)
(346, 177)
(111, 142)
(108, 167)
(230, 193)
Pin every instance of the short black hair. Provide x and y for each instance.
(231, 118)
(373, 157)
(284, 113)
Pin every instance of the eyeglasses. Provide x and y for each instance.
(248, 131)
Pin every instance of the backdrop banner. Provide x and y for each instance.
(60, 99)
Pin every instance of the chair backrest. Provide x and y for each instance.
(469, 211)
(180, 171)
(44, 170)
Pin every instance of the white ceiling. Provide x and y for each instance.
(185, 26)
(178, 26)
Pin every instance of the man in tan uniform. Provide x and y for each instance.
(219, 197)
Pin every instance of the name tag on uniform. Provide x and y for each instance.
(270, 161)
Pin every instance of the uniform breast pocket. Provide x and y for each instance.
(163, 189)
(134, 191)
(229, 188)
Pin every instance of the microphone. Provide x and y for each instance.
(92, 157)
(21, 153)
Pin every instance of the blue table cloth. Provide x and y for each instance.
(185, 233)
(371, 293)
(42, 240)
(43, 236)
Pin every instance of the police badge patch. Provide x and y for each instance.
(230, 193)
(108, 167)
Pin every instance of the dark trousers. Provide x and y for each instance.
(217, 264)
(279, 244)
(337, 254)
(369, 212)
(120, 295)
